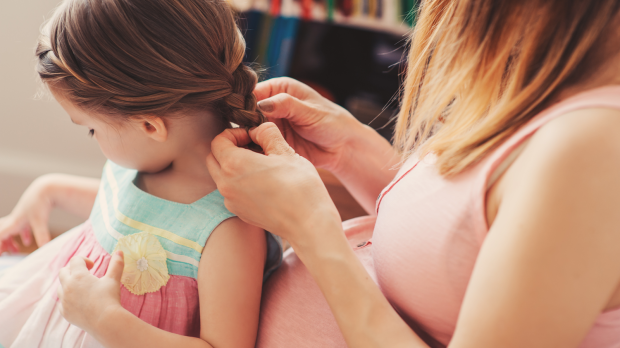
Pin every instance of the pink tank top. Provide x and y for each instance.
(426, 239)
(430, 229)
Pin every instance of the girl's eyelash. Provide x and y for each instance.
(91, 132)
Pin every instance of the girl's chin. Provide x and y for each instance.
(154, 168)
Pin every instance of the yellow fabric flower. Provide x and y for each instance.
(145, 263)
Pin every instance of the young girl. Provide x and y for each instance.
(153, 81)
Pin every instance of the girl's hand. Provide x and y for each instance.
(316, 128)
(86, 300)
(279, 191)
(29, 217)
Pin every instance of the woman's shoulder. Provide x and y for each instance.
(577, 115)
(578, 152)
(583, 136)
(567, 152)
(579, 145)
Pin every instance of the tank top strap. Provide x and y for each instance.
(214, 212)
(603, 97)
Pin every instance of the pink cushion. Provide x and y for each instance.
(294, 312)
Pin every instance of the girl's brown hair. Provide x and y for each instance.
(480, 69)
(157, 57)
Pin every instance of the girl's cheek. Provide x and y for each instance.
(107, 149)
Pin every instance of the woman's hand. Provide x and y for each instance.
(282, 192)
(279, 191)
(329, 137)
(86, 300)
(316, 128)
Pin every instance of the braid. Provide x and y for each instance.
(241, 102)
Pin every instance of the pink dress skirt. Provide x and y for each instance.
(169, 236)
(29, 304)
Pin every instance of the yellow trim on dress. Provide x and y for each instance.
(117, 235)
(142, 226)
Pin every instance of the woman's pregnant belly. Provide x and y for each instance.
(294, 312)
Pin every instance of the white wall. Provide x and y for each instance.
(36, 136)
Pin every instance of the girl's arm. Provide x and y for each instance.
(230, 279)
(30, 216)
(550, 264)
(74, 194)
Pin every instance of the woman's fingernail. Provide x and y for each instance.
(266, 105)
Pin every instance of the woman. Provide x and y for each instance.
(499, 230)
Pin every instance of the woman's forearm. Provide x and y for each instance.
(280, 192)
(367, 164)
(118, 328)
(364, 315)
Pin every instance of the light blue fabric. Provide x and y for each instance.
(194, 222)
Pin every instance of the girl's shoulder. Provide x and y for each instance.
(122, 209)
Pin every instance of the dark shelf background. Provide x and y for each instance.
(358, 69)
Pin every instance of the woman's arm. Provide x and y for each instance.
(230, 279)
(330, 137)
(30, 216)
(551, 261)
(284, 192)
(550, 264)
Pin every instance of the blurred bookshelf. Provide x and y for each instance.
(350, 51)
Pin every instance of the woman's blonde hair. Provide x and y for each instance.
(137, 57)
(480, 69)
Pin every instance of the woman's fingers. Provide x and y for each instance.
(229, 140)
(286, 85)
(272, 87)
(214, 168)
(226, 152)
(269, 137)
(287, 106)
(115, 269)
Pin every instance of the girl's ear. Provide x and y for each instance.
(154, 127)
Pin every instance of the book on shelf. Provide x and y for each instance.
(393, 16)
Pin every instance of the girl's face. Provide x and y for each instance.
(136, 143)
